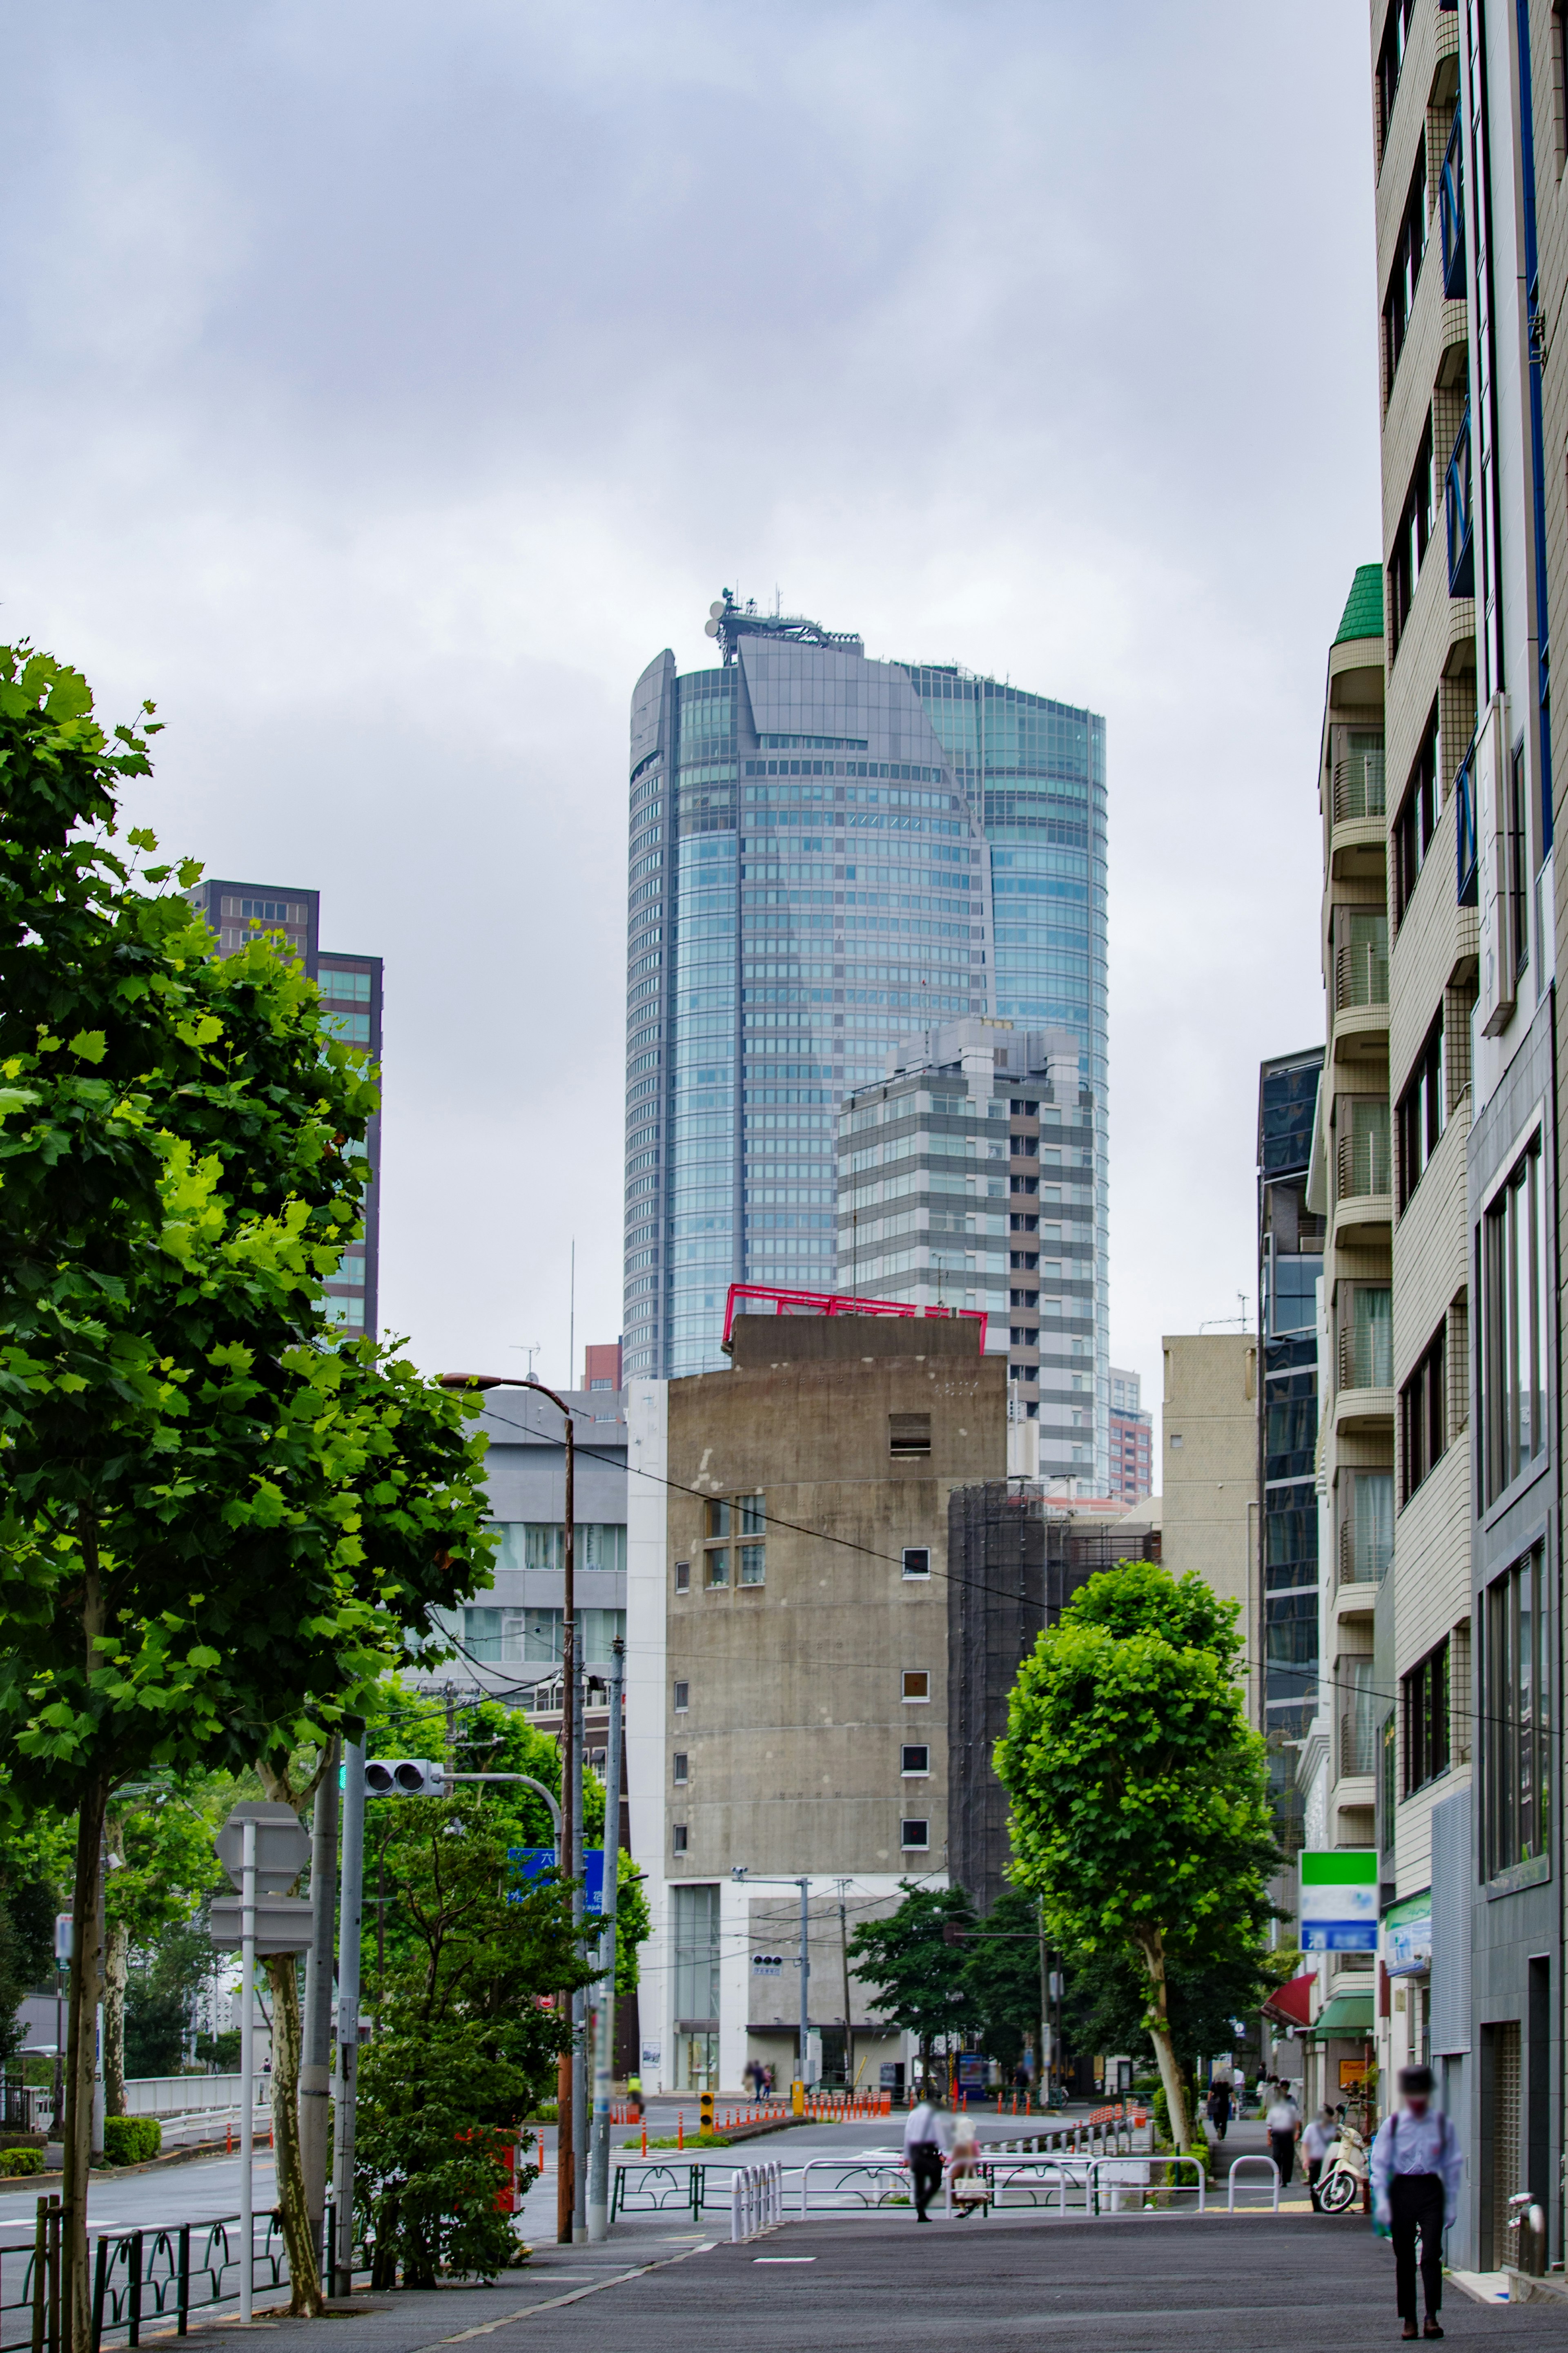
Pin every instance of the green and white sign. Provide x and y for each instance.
(1339, 1900)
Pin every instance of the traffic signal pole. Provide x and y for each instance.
(605, 2039)
(352, 1903)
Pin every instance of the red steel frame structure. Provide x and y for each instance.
(838, 1302)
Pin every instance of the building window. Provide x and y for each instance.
(717, 1517)
(1412, 537)
(751, 1563)
(917, 1560)
(1366, 1339)
(1419, 1120)
(1424, 1695)
(1407, 252)
(916, 1759)
(1515, 1276)
(1417, 823)
(683, 1576)
(1423, 1416)
(1390, 62)
(682, 1698)
(917, 1686)
(915, 1834)
(1516, 1720)
(680, 1764)
(1519, 862)
(1559, 81)
(717, 1560)
(677, 1838)
(752, 1515)
(909, 1433)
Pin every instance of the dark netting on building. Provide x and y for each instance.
(1015, 1559)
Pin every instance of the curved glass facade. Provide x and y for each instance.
(815, 841)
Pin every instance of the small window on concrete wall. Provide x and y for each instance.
(682, 1698)
(917, 1685)
(917, 1560)
(683, 1576)
(909, 1433)
(916, 1832)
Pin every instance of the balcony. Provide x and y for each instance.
(1364, 1561)
(1361, 986)
(1451, 213)
(1359, 785)
(1366, 1354)
(1457, 505)
(1363, 1162)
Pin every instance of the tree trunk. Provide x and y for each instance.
(304, 2270)
(1152, 1947)
(81, 2035)
(81, 2032)
(117, 1959)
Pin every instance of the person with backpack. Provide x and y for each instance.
(1416, 2168)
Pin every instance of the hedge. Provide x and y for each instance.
(21, 2160)
(131, 2140)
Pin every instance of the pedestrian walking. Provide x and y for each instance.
(1219, 2105)
(1416, 2167)
(1284, 2122)
(965, 2181)
(925, 2149)
(1316, 2142)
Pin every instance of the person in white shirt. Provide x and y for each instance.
(925, 2148)
(1416, 2168)
(1316, 2142)
(1284, 2122)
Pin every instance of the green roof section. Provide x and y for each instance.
(1348, 2013)
(1363, 615)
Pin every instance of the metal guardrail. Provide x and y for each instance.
(1257, 2157)
(152, 2275)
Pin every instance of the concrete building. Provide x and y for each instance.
(817, 843)
(351, 987)
(1131, 1439)
(967, 1179)
(788, 1644)
(602, 1366)
(1209, 1465)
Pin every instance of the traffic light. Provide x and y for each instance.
(705, 2111)
(404, 1777)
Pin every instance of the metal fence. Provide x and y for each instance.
(141, 2279)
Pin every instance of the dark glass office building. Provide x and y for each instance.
(1290, 1261)
(826, 854)
(351, 989)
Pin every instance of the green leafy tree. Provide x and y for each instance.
(465, 2044)
(165, 1979)
(161, 1867)
(217, 1526)
(1139, 1811)
(1002, 1972)
(914, 1963)
(34, 1863)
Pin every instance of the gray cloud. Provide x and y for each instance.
(381, 387)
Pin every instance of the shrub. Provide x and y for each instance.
(132, 2140)
(21, 2160)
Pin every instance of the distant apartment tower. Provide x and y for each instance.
(1131, 1439)
(816, 842)
(351, 987)
(967, 1179)
(602, 1365)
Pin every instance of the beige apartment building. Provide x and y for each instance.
(1208, 1450)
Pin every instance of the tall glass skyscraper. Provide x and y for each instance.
(827, 853)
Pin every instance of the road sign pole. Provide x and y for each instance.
(604, 2041)
(316, 2057)
(353, 1881)
(247, 2066)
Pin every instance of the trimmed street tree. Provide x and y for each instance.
(1140, 1802)
(914, 1963)
(218, 1528)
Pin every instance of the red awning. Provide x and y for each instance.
(1291, 2003)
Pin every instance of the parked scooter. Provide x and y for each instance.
(1344, 2174)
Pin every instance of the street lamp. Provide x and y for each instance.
(742, 1877)
(569, 2073)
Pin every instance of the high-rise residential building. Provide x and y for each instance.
(351, 987)
(1289, 1268)
(1208, 1471)
(1132, 1438)
(827, 852)
(967, 1179)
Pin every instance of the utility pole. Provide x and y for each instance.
(605, 2039)
(848, 2014)
(316, 2054)
(347, 2015)
(571, 1768)
(247, 2071)
(580, 1996)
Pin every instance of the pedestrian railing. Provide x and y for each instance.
(657, 2188)
(1236, 2164)
(756, 2200)
(141, 2279)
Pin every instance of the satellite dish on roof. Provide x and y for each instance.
(709, 628)
(716, 612)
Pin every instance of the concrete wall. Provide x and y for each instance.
(1208, 1460)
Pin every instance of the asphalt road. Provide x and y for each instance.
(1119, 2285)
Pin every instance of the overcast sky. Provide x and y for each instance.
(383, 386)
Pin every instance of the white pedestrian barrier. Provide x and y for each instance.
(1236, 2164)
(756, 2200)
